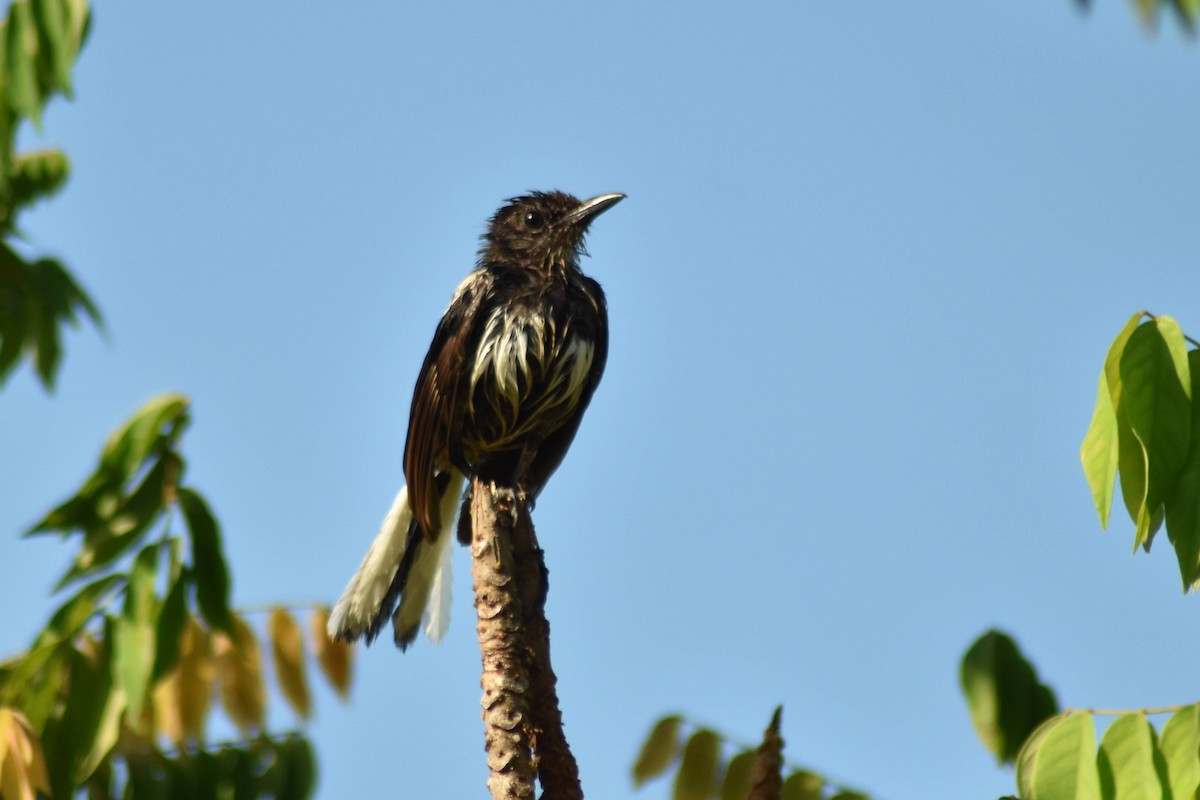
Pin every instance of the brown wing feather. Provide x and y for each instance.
(435, 417)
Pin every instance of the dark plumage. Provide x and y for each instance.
(511, 369)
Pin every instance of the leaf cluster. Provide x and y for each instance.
(708, 765)
(125, 668)
(1146, 430)
(39, 42)
(1061, 759)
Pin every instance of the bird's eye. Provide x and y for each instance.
(534, 220)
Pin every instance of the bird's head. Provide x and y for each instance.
(543, 230)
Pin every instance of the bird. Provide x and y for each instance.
(513, 365)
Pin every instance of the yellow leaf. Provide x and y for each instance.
(239, 666)
(287, 648)
(182, 697)
(196, 675)
(22, 766)
(335, 658)
(165, 700)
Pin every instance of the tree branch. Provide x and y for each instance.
(505, 679)
(522, 720)
(557, 769)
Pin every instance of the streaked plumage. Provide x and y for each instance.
(511, 369)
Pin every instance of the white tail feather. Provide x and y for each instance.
(426, 595)
(359, 604)
(437, 612)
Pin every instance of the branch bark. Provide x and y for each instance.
(505, 678)
(766, 779)
(522, 721)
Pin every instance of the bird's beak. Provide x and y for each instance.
(588, 210)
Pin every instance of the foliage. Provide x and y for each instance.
(1061, 759)
(1186, 11)
(1146, 429)
(708, 765)
(39, 42)
(124, 669)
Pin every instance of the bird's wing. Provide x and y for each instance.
(437, 411)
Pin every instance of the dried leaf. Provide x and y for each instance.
(182, 698)
(287, 649)
(22, 765)
(335, 658)
(239, 666)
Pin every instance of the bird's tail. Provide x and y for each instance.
(403, 571)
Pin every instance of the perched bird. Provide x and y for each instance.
(512, 367)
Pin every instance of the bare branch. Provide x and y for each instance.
(505, 679)
(522, 720)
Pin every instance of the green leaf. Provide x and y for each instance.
(77, 513)
(1180, 748)
(126, 522)
(38, 175)
(55, 46)
(1159, 412)
(802, 785)
(1176, 343)
(171, 621)
(149, 780)
(65, 624)
(1063, 762)
(203, 770)
(736, 784)
(87, 729)
(1130, 460)
(1099, 452)
(62, 293)
(41, 695)
(19, 70)
(134, 646)
(1027, 759)
(1183, 502)
(208, 562)
(97, 734)
(154, 425)
(242, 765)
(16, 299)
(697, 776)
(56, 298)
(1126, 760)
(658, 751)
(1004, 696)
(295, 769)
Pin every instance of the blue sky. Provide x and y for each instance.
(871, 261)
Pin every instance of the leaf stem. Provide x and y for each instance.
(1118, 712)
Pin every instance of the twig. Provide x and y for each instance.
(1119, 712)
